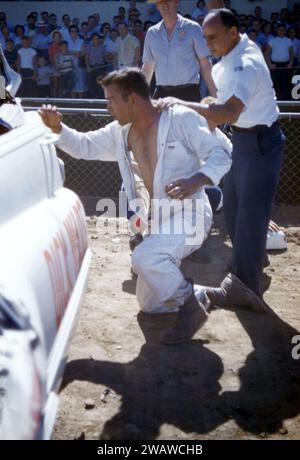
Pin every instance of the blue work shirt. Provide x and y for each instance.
(176, 59)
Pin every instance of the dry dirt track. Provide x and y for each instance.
(235, 380)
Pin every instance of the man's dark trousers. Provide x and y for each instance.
(249, 190)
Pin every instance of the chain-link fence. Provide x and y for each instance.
(102, 179)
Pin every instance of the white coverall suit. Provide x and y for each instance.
(184, 143)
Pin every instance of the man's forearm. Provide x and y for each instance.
(148, 70)
(205, 69)
(201, 180)
(215, 113)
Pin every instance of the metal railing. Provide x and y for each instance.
(102, 179)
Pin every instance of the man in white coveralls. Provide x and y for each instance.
(161, 157)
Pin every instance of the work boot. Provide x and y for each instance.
(191, 316)
(233, 292)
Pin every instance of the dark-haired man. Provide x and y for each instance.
(160, 157)
(246, 99)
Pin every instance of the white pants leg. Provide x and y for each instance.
(161, 287)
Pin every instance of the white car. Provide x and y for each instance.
(44, 263)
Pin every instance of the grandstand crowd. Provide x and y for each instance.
(64, 57)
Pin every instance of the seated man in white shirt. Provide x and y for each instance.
(161, 157)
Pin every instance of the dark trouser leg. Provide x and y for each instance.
(230, 203)
(214, 196)
(256, 166)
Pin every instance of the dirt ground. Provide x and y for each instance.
(236, 380)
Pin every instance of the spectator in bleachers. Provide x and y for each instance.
(274, 18)
(19, 34)
(95, 59)
(153, 14)
(44, 73)
(41, 40)
(252, 34)
(138, 32)
(52, 22)
(26, 66)
(35, 14)
(133, 14)
(53, 50)
(258, 14)
(5, 34)
(296, 44)
(200, 10)
(3, 20)
(266, 34)
(284, 15)
(65, 65)
(249, 20)
(92, 26)
(77, 49)
(84, 33)
(243, 28)
(199, 19)
(117, 21)
(11, 54)
(147, 25)
(64, 30)
(274, 28)
(128, 48)
(76, 21)
(122, 13)
(280, 57)
(105, 30)
(45, 19)
(110, 45)
(242, 18)
(30, 29)
(97, 21)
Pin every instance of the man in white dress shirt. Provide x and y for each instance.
(246, 99)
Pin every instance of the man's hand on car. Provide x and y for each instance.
(51, 117)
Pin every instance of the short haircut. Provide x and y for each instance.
(95, 34)
(129, 80)
(228, 19)
(73, 27)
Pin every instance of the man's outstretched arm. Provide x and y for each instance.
(99, 144)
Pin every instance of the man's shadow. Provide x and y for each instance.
(177, 385)
(270, 378)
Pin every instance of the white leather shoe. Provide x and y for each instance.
(276, 241)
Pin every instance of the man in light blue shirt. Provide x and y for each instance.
(176, 51)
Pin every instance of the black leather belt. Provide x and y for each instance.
(172, 88)
(252, 128)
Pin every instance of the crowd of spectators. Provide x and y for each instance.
(64, 57)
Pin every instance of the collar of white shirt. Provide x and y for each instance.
(238, 49)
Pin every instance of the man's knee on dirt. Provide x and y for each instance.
(144, 261)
